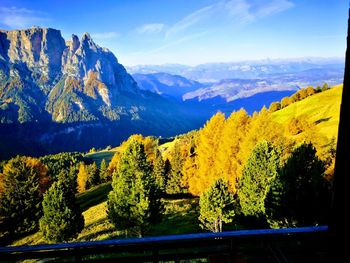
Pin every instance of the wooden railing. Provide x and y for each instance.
(263, 245)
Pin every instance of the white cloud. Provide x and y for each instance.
(15, 17)
(236, 11)
(105, 35)
(150, 28)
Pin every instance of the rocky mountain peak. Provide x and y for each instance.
(40, 49)
(88, 43)
(56, 75)
(75, 43)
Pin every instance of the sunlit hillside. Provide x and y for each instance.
(322, 109)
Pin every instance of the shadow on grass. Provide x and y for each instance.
(322, 120)
(96, 234)
(93, 196)
(180, 217)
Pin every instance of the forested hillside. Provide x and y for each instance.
(271, 169)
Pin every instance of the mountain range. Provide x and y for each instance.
(58, 95)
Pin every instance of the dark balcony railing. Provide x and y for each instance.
(263, 245)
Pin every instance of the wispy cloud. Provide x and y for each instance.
(190, 20)
(178, 42)
(150, 28)
(239, 12)
(105, 35)
(273, 7)
(15, 17)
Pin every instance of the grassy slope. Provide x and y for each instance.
(322, 108)
(180, 216)
(98, 156)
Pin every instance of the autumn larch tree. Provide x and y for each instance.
(227, 159)
(206, 155)
(82, 178)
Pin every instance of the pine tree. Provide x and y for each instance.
(174, 182)
(135, 198)
(159, 172)
(69, 179)
(104, 175)
(262, 167)
(299, 195)
(62, 219)
(216, 207)
(93, 175)
(24, 180)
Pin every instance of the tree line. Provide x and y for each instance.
(240, 167)
(298, 96)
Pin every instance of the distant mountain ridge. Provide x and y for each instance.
(238, 80)
(165, 84)
(214, 72)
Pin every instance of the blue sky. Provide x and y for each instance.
(193, 32)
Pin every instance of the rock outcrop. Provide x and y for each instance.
(72, 80)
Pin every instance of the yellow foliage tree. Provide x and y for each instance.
(234, 131)
(285, 102)
(82, 178)
(310, 91)
(150, 145)
(262, 127)
(208, 138)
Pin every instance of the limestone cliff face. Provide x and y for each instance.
(73, 80)
(40, 49)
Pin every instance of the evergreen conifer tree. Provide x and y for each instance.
(62, 219)
(216, 206)
(174, 182)
(93, 175)
(23, 181)
(262, 167)
(135, 198)
(299, 195)
(104, 176)
(159, 172)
